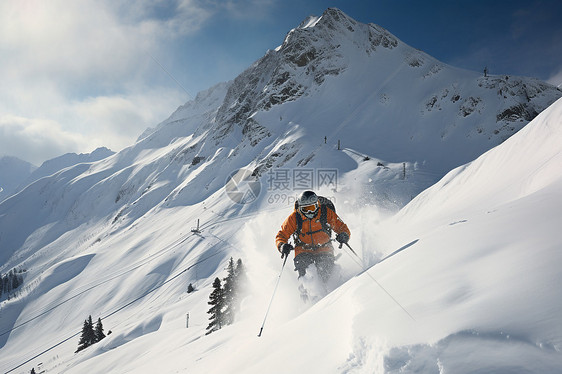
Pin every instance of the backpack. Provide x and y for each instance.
(323, 204)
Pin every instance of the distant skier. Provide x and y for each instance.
(311, 225)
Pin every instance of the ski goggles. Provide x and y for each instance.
(309, 208)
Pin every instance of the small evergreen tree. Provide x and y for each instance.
(83, 342)
(10, 282)
(5, 282)
(233, 285)
(216, 300)
(91, 332)
(240, 272)
(88, 336)
(98, 332)
(230, 290)
(240, 280)
(14, 279)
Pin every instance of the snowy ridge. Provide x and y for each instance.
(15, 181)
(113, 239)
(13, 171)
(524, 165)
(70, 159)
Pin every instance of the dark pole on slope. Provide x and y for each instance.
(273, 295)
(351, 249)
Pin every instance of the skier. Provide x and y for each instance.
(310, 225)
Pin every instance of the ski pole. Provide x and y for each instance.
(273, 295)
(351, 249)
(365, 271)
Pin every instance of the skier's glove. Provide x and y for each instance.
(286, 249)
(342, 237)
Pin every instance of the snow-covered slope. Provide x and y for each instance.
(13, 171)
(16, 174)
(474, 290)
(113, 238)
(523, 166)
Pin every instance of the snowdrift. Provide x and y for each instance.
(479, 280)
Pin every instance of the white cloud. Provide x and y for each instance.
(35, 140)
(77, 75)
(80, 74)
(171, 18)
(117, 121)
(111, 121)
(79, 42)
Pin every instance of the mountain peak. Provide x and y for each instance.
(330, 17)
(320, 47)
(336, 16)
(366, 60)
(327, 33)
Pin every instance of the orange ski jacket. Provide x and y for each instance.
(313, 238)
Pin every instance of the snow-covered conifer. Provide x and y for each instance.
(216, 300)
(230, 291)
(88, 336)
(98, 332)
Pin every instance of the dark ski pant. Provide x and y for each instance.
(324, 262)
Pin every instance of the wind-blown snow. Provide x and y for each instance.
(463, 279)
(311, 22)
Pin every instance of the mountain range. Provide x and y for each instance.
(17, 174)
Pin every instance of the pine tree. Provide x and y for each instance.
(240, 272)
(5, 282)
(98, 332)
(216, 300)
(10, 282)
(88, 336)
(14, 279)
(240, 280)
(230, 290)
(233, 287)
(83, 342)
(91, 333)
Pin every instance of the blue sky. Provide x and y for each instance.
(82, 74)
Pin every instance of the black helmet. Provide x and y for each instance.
(308, 203)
